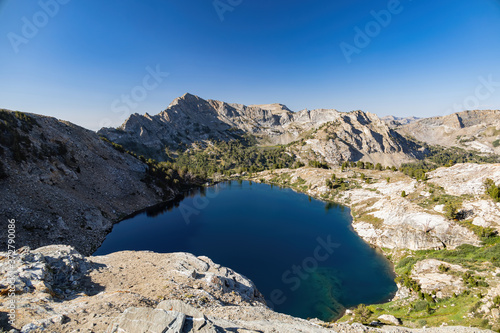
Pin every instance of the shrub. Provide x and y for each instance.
(485, 323)
(335, 182)
(451, 210)
(492, 190)
(420, 305)
(403, 194)
(442, 268)
(471, 280)
(429, 298)
(407, 261)
(298, 165)
(318, 164)
(421, 322)
(408, 282)
(496, 143)
(362, 314)
(440, 156)
(475, 307)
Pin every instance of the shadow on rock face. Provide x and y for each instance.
(55, 270)
(4, 321)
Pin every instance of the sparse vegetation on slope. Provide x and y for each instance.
(14, 127)
(226, 158)
(438, 156)
(163, 174)
(492, 190)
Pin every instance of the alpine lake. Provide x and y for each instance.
(301, 253)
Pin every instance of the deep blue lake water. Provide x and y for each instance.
(301, 253)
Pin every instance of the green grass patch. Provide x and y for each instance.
(467, 255)
(369, 218)
(431, 314)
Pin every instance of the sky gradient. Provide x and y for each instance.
(94, 62)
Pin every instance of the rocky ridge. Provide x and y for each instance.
(190, 119)
(357, 136)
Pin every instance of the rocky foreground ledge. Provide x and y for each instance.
(59, 290)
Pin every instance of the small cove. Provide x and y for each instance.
(301, 253)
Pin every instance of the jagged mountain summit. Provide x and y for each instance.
(190, 119)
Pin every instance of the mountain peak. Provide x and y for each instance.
(187, 98)
(275, 108)
(188, 95)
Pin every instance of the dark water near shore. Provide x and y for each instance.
(301, 253)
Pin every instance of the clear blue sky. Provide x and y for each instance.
(87, 54)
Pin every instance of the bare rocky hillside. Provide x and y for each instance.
(63, 184)
(357, 136)
(478, 130)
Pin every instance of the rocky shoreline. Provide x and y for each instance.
(385, 219)
(400, 226)
(59, 290)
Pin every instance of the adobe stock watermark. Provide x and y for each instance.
(199, 203)
(363, 37)
(484, 90)
(223, 6)
(31, 26)
(294, 276)
(124, 105)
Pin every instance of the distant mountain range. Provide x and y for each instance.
(331, 135)
(392, 120)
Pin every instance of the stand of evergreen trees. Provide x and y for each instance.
(438, 156)
(219, 159)
(231, 157)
